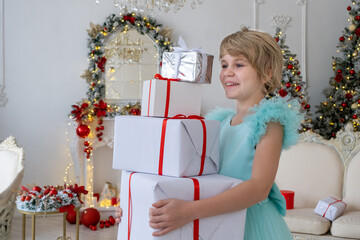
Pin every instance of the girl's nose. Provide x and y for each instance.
(229, 71)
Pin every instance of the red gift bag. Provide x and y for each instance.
(289, 197)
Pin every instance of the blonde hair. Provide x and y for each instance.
(262, 52)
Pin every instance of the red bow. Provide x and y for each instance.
(78, 190)
(78, 111)
(101, 63)
(129, 18)
(66, 208)
(100, 109)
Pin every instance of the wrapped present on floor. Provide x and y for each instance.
(191, 65)
(330, 208)
(166, 146)
(167, 98)
(140, 190)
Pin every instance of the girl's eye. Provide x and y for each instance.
(238, 65)
(224, 66)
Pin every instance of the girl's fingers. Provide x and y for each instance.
(159, 225)
(162, 232)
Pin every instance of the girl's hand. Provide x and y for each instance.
(118, 213)
(168, 215)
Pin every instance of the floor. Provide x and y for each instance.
(51, 228)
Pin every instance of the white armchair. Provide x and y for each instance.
(11, 174)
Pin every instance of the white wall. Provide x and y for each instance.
(46, 52)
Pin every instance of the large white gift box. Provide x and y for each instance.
(172, 147)
(140, 190)
(330, 208)
(165, 98)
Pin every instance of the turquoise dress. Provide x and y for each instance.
(264, 220)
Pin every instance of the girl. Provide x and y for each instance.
(251, 142)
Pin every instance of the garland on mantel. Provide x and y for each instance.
(95, 107)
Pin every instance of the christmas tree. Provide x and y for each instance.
(342, 95)
(293, 84)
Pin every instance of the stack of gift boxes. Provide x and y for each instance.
(172, 152)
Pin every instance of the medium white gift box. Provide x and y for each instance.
(145, 189)
(330, 208)
(181, 147)
(165, 98)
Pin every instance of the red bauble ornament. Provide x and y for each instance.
(37, 189)
(359, 101)
(93, 84)
(298, 73)
(83, 130)
(71, 216)
(23, 198)
(348, 96)
(298, 88)
(28, 198)
(339, 71)
(341, 39)
(288, 85)
(100, 121)
(357, 32)
(277, 39)
(352, 72)
(342, 120)
(90, 216)
(344, 104)
(354, 116)
(290, 66)
(348, 8)
(86, 143)
(307, 106)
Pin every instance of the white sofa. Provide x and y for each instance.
(314, 169)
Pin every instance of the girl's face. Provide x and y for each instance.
(239, 79)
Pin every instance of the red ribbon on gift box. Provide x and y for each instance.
(167, 102)
(162, 141)
(196, 197)
(336, 200)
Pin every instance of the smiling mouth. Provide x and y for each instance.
(231, 84)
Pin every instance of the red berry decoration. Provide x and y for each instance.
(348, 8)
(86, 143)
(341, 39)
(107, 224)
(90, 216)
(102, 225)
(83, 130)
(71, 216)
(23, 198)
(28, 198)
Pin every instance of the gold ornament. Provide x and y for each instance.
(354, 54)
(166, 32)
(94, 30)
(334, 63)
(325, 103)
(352, 27)
(87, 76)
(354, 106)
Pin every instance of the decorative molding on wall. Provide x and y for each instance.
(282, 21)
(3, 98)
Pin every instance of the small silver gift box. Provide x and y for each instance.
(188, 66)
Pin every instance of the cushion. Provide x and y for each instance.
(310, 159)
(9, 162)
(304, 220)
(347, 225)
(351, 185)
